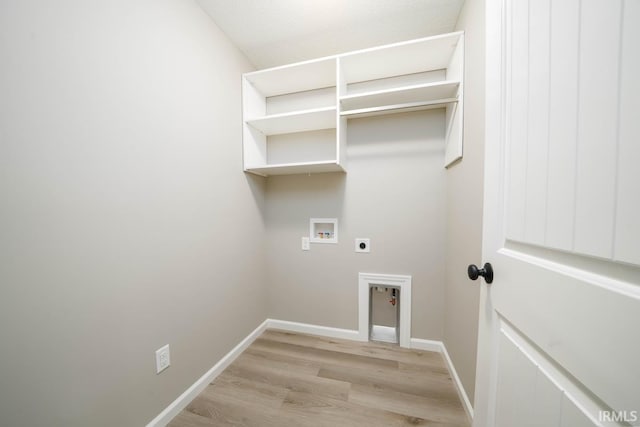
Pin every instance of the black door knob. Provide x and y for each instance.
(487, 272)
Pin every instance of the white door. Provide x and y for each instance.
(559, 338)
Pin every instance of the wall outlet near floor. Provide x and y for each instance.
(163, 358)
(305, 244)
(363, 245)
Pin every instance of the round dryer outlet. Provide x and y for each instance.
(363, 245)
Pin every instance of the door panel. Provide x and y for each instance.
(516, 385)
(528, 396)
(518, 96)
(562, 215)
(563, 124)
(576, 318)
(574, 417)
(572, 139)
(627, 238)
(537, 121)
(597, 126)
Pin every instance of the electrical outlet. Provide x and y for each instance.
(363, 245)
(163, 359)
(305, 244)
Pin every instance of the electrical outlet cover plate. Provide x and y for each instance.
(163, 358)
(305, 244)
(360, 242)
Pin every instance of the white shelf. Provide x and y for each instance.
(426, 93)
(295, 114)
(298, 121)
(414, 56)
(297, 168)
(299, 77)
(398, 108)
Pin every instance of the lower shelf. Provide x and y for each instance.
(397, 108)
(296, 168)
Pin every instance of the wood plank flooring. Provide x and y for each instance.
(289, 379)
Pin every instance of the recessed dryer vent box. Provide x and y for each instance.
(323, 230)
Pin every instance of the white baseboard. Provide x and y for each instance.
(427, 345)
(456, 381)
(201, 383)
(325, 331)
(430, 345)
(306, 328)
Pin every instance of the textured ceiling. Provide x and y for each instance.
(277, 32)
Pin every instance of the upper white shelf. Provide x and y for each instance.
(299, 121)
(426, 93)
(300, 77)
(415, 56)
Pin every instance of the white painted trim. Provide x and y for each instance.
(365, 281)
(427, 345)
(201, 383)
(431, 345)
(306, 328)
(466, 403)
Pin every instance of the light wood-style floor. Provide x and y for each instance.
(289, 379)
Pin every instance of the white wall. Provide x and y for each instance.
(464, 208)
(126, 221)
(394, 194)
